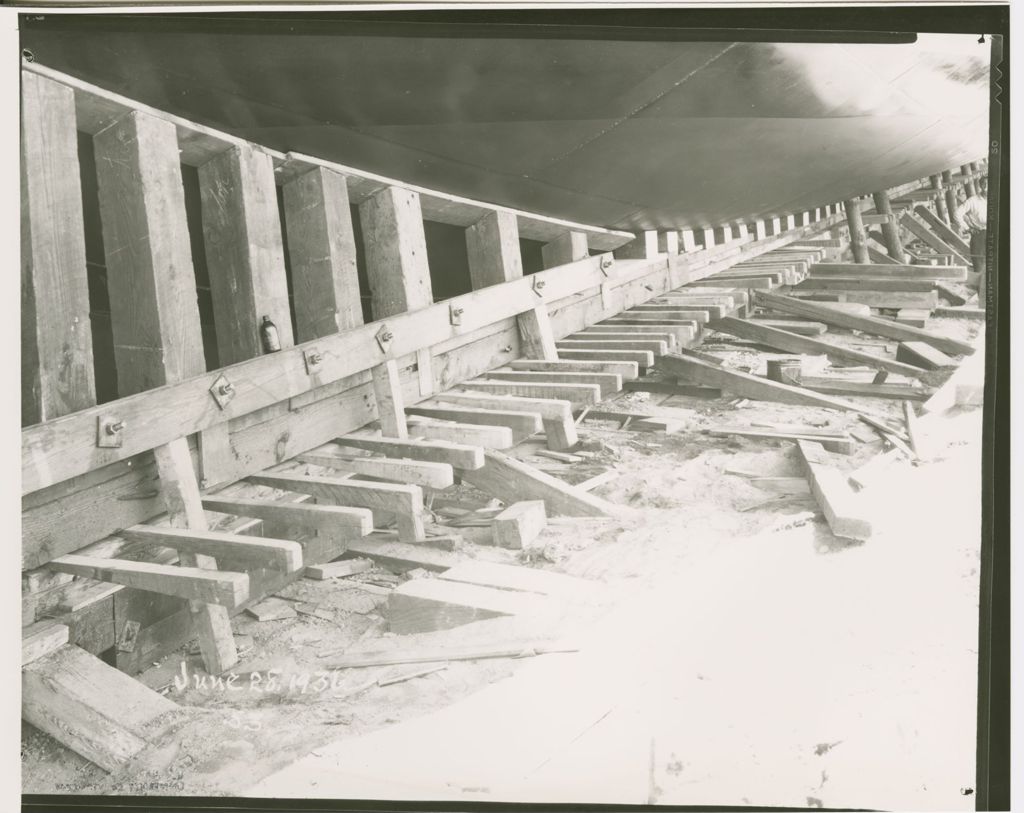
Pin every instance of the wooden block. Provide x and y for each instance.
(641, 358)
(507, 478)
(82, 593)
(520, 579)
(626, 370)
(865, 389)
(842, 444)
(536, 337)
(274, 554)
(404, 501)
(154, 311)
(492, 249)
(327, 518)
(579, 395)
(977, 314)
(568, 247)
(244, 251)
(40, 639)
(609, 383)
(455, 454)
(916, 317)
(556, 414)
(387, 390)
(951, 296)
(56, 339)
(923, 355)
(271, 609)
(800, 328)
(321, 254)
(489, 437)
(428, 605)
(337, 570)
(414, 472)
(396, 252)
(868, 324)
(833, 494)
(518, 525)
(522, 424)
(95, 710)
(400, 556)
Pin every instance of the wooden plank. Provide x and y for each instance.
(626, 370)
(977, 314)
(876, 256)
(567, 247)
(953, 272)
(458, 455)
(518, 525)
(536, 337)
(154, 311)
(42, 638)
(327, 518)
(916, 317)
(521, 580)
(643, 358)
(400, 556)
(609, 383)
(947, 293)
(790, 342)
(840, 444)
(649, 346)
(923, 355)
(800, 328)
(492, 249)
(522, 424)
(414, 472)
(679, 334)
(488, 436)
(556, 414)
(387, 391)
(868, 324)
(95, 710)
(876, 299)
(274, 554)
(321, 254)
(404, 501)
(396, 252)
(671, 388)
(677, 316)
(180, 493)
(678, 309)
(832, 492)
(579, 395)
(918, 228)
(865, 389)
(218, 587)
(511, 479)
(748, 386)
(428, 605)
(866, 283)
(621, 334)
(943, 231)
(424, 654)
(244, 252)
(336, 570)
(56, 339)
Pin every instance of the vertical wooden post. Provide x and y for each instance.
(947, 181)
(643, 246)
(154, 312)
(185, 510)
(688, 241)
(242, 233)
(858, 239)
(723, 234)
(564, 249)
(536, 338)
(760, 232)
(940, 198)
(969, 184)
(396, 252)
(387, 389)
(668, 242)
(492, 247)
(890, 229)
(56, 337)
(709, 237)
(322, 253)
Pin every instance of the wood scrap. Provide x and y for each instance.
(841, 445)
(390, 681)
(432, 654)
(518, 525)
(428, 605)
(337, 570)
(271, 609)
(834, 496)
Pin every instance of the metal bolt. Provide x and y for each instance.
(387, 336)
(315, 358)
(540, 284)
(507, 348)
(114, 428)
(457, 311)
(226, 388)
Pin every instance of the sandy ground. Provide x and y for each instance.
(728, 659)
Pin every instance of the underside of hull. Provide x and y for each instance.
(620, 133)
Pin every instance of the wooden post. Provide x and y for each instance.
(858, 239)
(322, 253)
(536, 338)
(689, 243)
(643, 246)
(180, 493)
(387, 389)
(947, 181)
(940, 198)
(56, 337)
(969, 184)
(890, 229)
(154, 313)
(492, 247)
(396, 252)
(668, 242)
(564, 249)
(242, 234)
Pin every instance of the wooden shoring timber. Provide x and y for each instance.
(56, 339)
(658, 348)
(522, 424)
(556, 414)
(840, 444)
(678, 315)
(919, 229)
(597, 333)
(644, 358)
(877, 256)
(579, 395)
(568, 247)
(404, 501)
(767, 280)
(892, 300)
(510, 479)
(895, 270)
(387, 391)
(868, 324)
(94, 709)
(627, 370)
(42, 638)
(395, 248)
(492, 250)
(245, 252)
(222, 588)
(790, 342)
(414, 472)
(943, 231)
(867, 284)
(858, 239)
(696, 371)
(536, 336)
(329, 518)
(830, 488)
(275, 554)
(677, 333)
(890, 229)
(488, 436)
(865, 389)
(609, 383)
(458, 455)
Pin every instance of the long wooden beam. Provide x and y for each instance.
(943, 231)
(868, 324)
(275, 554)
(608, 382)
(522, 424)
(328, 518)
(455, 454)
(920, 230)
(954, 272)
(414, 472)
(579, 395)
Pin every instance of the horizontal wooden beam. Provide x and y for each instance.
(650, 346)
(842, 444)
(609, 383)
(866, 284)
(865, 389)
(274, 554)
(522, 424)
(219, 587)
(455, 454)
(488, 436)
(625, 369)
(954, 272)
(579, 395)
(556, 414)
(413, 472)
(644, 358)
(327, 518)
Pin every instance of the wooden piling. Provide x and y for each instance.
(858, 238)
